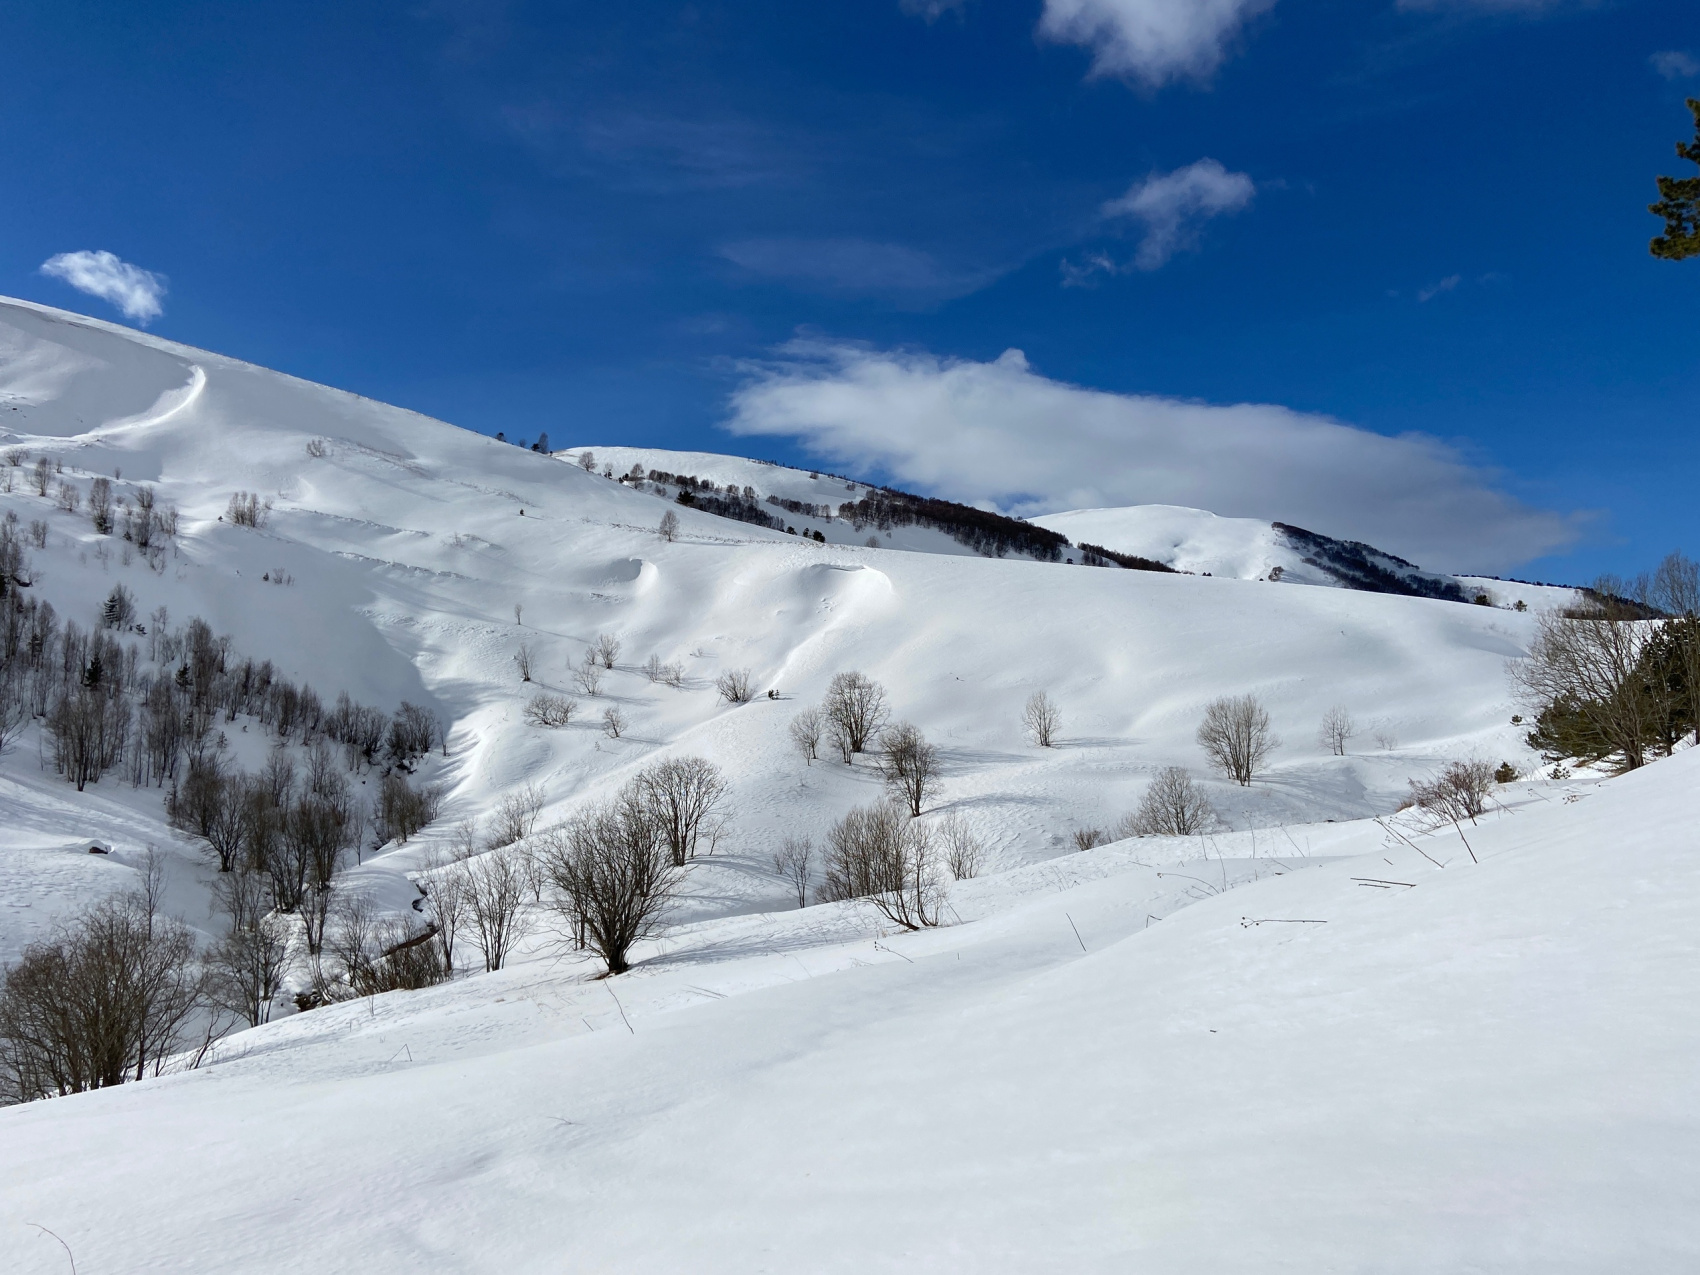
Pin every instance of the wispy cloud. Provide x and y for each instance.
(1173, 207)
(1435, 289)
(998, 430)
(931, 10)
(136, 292)
(1674, 64)
(1150, 41)
(855, 267)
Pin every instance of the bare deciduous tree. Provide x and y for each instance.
(909, 765)
(1173, 806)
(496, 884)
(669, 528)
(1041, 719)
(855, 711)
(613, 722)
(681, 796)
(1235, 736)
(1337, 727)
(792, 861)
(588, 676)
(522, 660)
(734, 686)
(606, 649)
(613, 874)
(962, 849)
(516, 815)
(1589, 669)
(879, 854)
(805, 730)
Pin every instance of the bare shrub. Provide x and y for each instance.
(805, 731)
(1173, 806)
(104, 1000)
(318, 448)
(100, 505)
(588, 676)
(855, 711)
(16, 456)
(246, 968)
(880, 854)
(1041, 719)
(792, 861)
(522, 661)
(652, 668)
(606, 649)
(549, 710)
(734, 686)
(1087, 838)
(613, 875)
(962, 849)
(681, 796)
(669, 528)
(909, 765)
(516, 815)
(445, 887)
(1235, 736)
(672, 675)
(38, 533)
(1337, 727)
(245, 509)
(1459, 792)
(41, 476)
(613, 722)
(1586, 674)
(68, 497)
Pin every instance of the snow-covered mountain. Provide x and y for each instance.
(1348, 1041)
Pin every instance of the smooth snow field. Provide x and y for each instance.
(1312, 1041)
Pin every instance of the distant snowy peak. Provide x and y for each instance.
(1204, 543)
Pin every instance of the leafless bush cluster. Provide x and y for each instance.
(1173, 806)
(318, 448)
(105, 999)
(880, 854)
(1041, 719)
(245, 509)
(549, 710)
(667, 674)
(806, 730)
(734, 686)
(588, 676)
(516, 815)
(1087, 838)
(1235, 736)
(403, 809)
(1459, 792)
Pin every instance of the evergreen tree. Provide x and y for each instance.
(1680, 203)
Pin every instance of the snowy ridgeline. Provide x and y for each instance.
(1096, 1055)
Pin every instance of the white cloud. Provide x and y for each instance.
(1174, 205)
(136, 292)
(1152, 41)
(931, 10)
(1674, 64)
(1435, 289)
(855, 266)
(999, 431)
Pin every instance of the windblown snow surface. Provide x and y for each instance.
(1315, 1042)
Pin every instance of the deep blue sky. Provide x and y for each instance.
(581, 217)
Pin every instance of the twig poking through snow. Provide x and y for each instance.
(68, 1254)
(1246, 922)
(1076, 929)
(622, 1009)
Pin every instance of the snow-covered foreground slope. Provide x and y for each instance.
(1488, 1067)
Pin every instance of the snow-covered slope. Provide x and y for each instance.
(1107, 1056)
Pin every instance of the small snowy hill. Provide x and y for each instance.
(1102, 1058)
